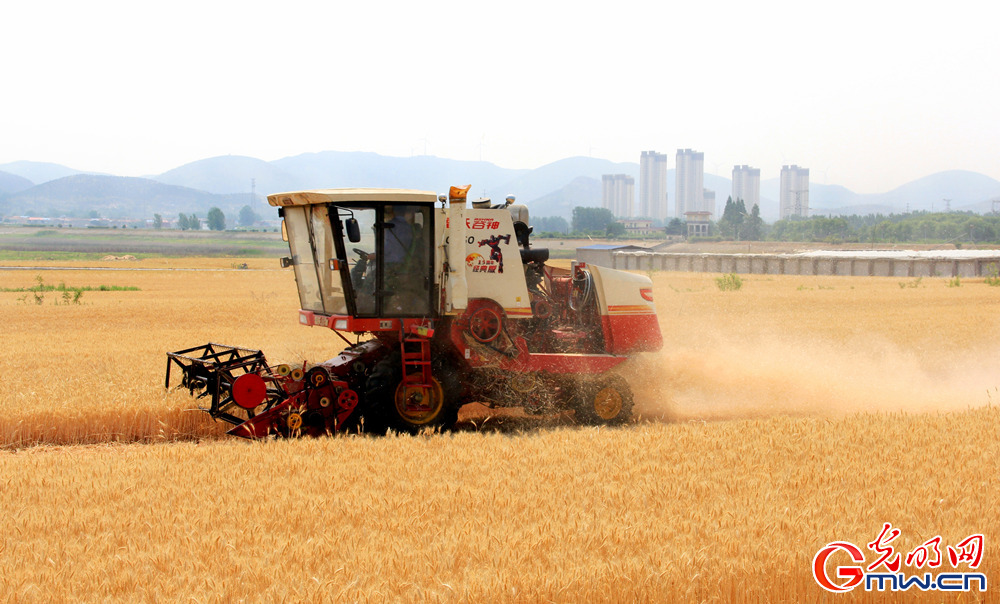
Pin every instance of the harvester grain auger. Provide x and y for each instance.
(447, 305)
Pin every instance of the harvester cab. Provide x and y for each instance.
(448, 304)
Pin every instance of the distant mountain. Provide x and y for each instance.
(961, 187)
(821, 196)
(12, 183)
(38, 172)
(965, 190)
(586, 191)
(581, 191)
(116, 197)
(550, 190)
(229, 174)
(537, 183)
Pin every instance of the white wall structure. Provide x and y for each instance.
(847, 263)
(794, 192)
(618, 194)
(653, 185)
(689, 183)
(746, 186)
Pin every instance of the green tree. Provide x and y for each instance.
(676, 226)
(615, 229)
(216, 220)
(182, 222)
(591, 219)
(731, 223)
(247, 216)
(754, 229)
(193, 223)
(157, 221)
(550, 224)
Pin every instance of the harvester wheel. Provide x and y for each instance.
(419, 405)
(389, 403)
(606, 400)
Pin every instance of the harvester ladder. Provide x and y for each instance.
(416, 361)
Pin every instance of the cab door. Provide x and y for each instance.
(310, 241)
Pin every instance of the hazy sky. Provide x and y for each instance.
(868, 94)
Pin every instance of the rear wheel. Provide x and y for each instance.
(605, 401)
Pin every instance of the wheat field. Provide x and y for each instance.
(780, 417)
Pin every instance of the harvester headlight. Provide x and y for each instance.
(340, 324)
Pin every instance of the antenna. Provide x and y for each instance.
(947, 205)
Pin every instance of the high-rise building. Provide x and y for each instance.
(708, 200)
(746, 186)
(794, 191)
(689, 182)
(653, 185)
(617, 194)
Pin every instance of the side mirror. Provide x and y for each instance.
(353, 230)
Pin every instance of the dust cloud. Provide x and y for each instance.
(718, 379)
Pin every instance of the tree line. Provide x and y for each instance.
(913, 227)
(215, 220)
(739, 224)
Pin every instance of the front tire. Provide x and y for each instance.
(391, 404)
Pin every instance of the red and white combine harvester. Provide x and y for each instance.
(447, 305)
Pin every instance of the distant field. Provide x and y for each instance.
(790, 413)
(25, 244)
(29, 243)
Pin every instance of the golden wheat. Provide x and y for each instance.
(723, 511)
(765, 457)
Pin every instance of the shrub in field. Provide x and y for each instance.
(994, 279)
(69, 294)
(730, 282)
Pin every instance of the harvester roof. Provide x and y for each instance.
(304, 198)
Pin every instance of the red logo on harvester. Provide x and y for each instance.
(883, 572)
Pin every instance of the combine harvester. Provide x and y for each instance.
(446, 305)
